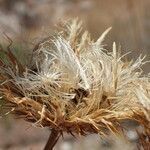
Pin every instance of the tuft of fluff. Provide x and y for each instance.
(74, 85)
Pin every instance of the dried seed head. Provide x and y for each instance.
(76, 85)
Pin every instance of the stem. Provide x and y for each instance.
(52, 140)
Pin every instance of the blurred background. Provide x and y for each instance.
(27, 21)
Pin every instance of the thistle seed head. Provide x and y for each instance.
(77, 86)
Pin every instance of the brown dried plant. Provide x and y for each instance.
(74, 85)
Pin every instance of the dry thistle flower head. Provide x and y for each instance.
(74, 85)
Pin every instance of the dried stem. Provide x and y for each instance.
(53, 138)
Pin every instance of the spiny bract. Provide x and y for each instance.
(74, 85)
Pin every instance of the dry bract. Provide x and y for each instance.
(74, 85)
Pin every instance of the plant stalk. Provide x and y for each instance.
(52, 140)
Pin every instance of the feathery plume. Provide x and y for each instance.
(76, 86)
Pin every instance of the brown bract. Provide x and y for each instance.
(74, 85)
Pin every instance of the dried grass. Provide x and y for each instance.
(74, 85)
